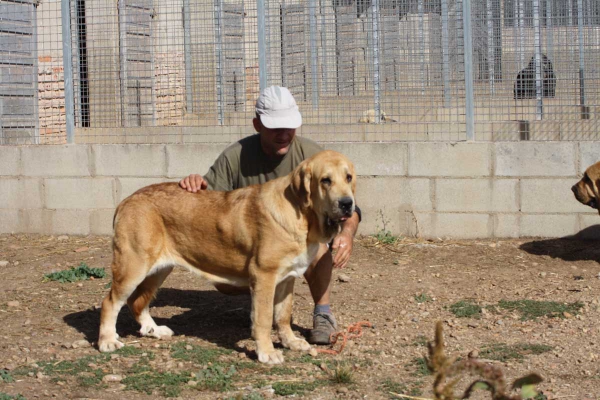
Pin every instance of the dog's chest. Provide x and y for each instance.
(299, 264)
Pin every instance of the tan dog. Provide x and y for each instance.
(261, 237)
(586, 190)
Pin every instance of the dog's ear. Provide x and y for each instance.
(301, 183)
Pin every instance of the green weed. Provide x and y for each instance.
(532, 309)
(465, 309)
(81, 273)
(5, 376)
(215, 378)
(6, 396)
(422, 298)
(297, 388)
(167, 383)
(342, 373)
(197, 354)
(421, 366)
(420, 341)
(503, 352)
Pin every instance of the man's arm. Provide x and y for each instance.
(343, 241)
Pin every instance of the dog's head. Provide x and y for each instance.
(325, 184)
(586, 190)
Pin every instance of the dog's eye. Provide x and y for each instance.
(326, 181)
(349, 178)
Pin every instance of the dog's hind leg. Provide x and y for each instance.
(282, 317)
(139, 303)
(128, 273)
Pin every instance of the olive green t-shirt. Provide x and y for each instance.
(244, 163)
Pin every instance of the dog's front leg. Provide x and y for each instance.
(263, 291)
(283, 317)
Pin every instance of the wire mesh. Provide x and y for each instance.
(180, 71)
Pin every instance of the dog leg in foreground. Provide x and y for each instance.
(283, 317)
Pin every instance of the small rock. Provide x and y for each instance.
(82, 249)
(241, 354)
(188, 347)
(112, 378)
(474, 354)
(313, 352)
(473, 325)
(13, 303)
(39, 375)
(342, 390)
(499, 322)
(567, 315)
(16, 263)
(80, 344)
(192, 383)
(9, 367)
(375, 276)
(62, 238)
(343, 278)
(3, 263)
(543, 274)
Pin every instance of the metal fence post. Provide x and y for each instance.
(68, 70)
(445, 53)
(537, 44)
(219, 57)
(377, 100)
(490, 47)
(187, 51)
(421, 11)
(262, 46)
(313, 52)
(581, 54)
(468, 40)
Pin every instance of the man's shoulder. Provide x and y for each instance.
(308, 146)
(235, 148)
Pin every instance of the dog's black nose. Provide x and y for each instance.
(574, 189)
(346, 204)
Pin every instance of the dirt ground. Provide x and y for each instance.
(401, 288)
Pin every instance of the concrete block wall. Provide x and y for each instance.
(430, 189)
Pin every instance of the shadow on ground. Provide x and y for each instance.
(208, 315)
(583, 246)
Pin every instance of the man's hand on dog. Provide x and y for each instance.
(193, 183)
(343, 246)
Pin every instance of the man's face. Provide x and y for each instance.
(275, 142)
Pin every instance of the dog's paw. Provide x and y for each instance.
(271, 357)
(159, 332)
(106, 346)
(296, 344)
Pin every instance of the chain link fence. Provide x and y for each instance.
(179, 71)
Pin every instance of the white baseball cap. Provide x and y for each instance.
(277, 108)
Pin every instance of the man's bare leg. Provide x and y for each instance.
(318, 275)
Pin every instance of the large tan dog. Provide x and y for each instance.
(261, 237)
(586, 190)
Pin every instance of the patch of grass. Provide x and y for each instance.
(197, 354)
(89, 379)
(503, 352)
(5, 376)
(385, 237)
(422, 298)
(532, 309)
(420, 341)
(389, 385)
(167, 383)
(342, 373)
(540, 396)
(297, 388)
(215, 378)
(6, 396)
(280, 370)
(465, 309)
(74, 274)
(421, 366)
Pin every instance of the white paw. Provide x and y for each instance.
(296, 344)
(106, 346)
(158, 332)
(271, 357)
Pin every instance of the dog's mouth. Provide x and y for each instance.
(335, 221)
(593, 203)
